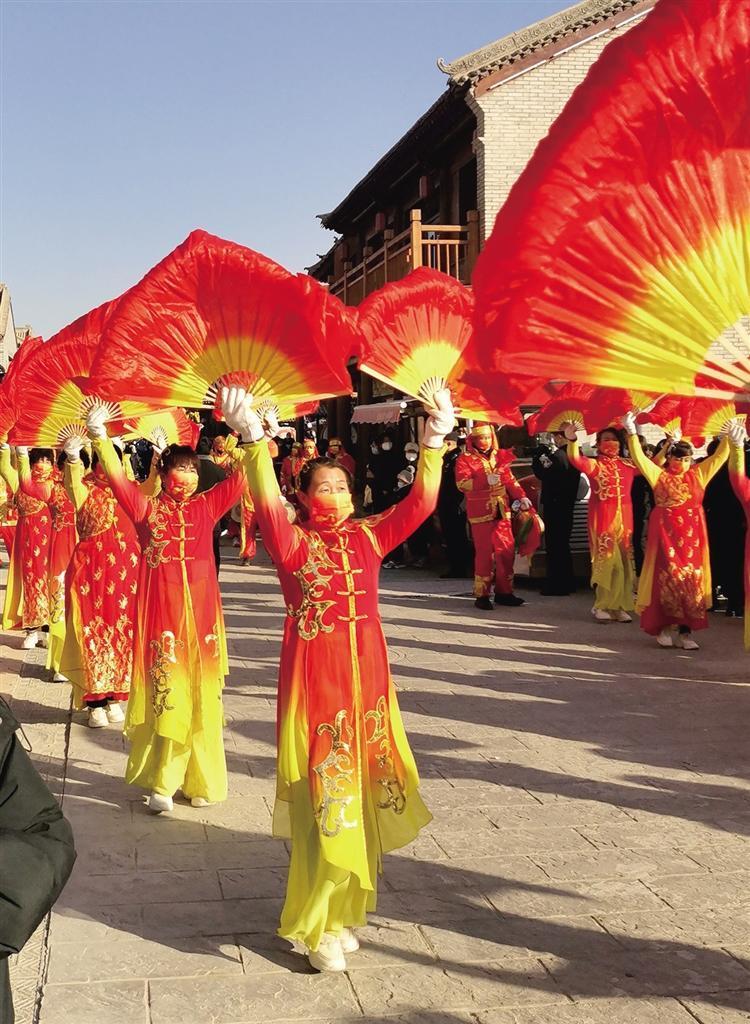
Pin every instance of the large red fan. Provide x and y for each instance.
(214, 313)
(52, 406)
(10, 400)
(169, 426)
(621, 254)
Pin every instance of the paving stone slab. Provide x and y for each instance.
(603, 1011)
(257, 1000)
(726, 1008)
(142, 958)
(403, 990)
(212, 856)
(117, 1002)
(616, 863)
(669, 927)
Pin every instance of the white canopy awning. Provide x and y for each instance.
(378, 412)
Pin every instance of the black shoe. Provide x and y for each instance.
(511, 600)
(484, 603)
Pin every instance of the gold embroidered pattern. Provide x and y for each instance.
(213, 638)
(57, 598)
(109, 651)
(681, 592)
(314, 578)
(97, 513)
(165, 654)
(158, 522)
(393, 792)
(335, 772)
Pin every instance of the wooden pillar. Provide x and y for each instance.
(387, 236)
(366, 251)
(415, 218)
(472, 247)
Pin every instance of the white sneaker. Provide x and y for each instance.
(30, 640)
(115, 714)
(686, 642)
(664, 639)
(58, 677)
(622, 616)
(157, 803)
(600, 615)
(98, 718)
(44, 640)
(329, 955)
(349, 941)
(200, 801)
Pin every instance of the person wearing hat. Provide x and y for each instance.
(484, 476)
(340, 456)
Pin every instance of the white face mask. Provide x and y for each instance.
(374, 449)
(387, 446)
(411, 456)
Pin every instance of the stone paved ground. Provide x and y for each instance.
(587, 863)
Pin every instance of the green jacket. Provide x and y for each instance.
(36, 851)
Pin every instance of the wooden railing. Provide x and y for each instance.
(450, 248)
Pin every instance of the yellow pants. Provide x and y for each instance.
(197, 767)
(321, 897)
(617, 592)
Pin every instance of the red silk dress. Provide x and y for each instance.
(27, 590)
(175, 716)
(675, 587)
(347, 787)
(490, 488)
(610, 515)
(62, 541)
(101, 582)
(741, 487)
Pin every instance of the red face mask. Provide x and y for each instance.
(180, 484)
(41, 471)
(332, 509)
(677, 466)
(609, 448)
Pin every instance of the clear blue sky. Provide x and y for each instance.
(127, 123)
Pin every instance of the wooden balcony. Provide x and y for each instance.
(450, 248)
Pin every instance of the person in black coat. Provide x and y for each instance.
(560, 482)
(208, 475)
(36, 851)
(452, 515)
(726, 524)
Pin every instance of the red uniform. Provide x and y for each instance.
(490, 488)
(347, 785)
(675, 587)
(27, 590)
(101, 583)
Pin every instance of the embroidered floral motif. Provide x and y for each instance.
(681, 592)
(158, 522)
(214, 638)
(165, 654)
(314, 578)
(109, 651)
(57, 598)
(97, 513)
(393, 792)
(336, 772)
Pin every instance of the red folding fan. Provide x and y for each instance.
(620, 257)
(214, 313)
(168, 426)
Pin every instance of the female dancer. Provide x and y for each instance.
(97, 655)
(610, 515)
(675, 587)
(347, 785)
(741, 486)
(174, 718)
(27, 590)
(51, 491)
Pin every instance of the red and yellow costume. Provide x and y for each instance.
(610, 515)
(347, 785)
(293, 465)
(741, 487)
(62, 541)
(27, 590)
(340, 456)
(175, 718)
(8, 517)
(675, 587)
(101, 583)
(490, 488)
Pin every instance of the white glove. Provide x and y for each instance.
(440, 421)
(158, 441)
(237, 410)
(22, 452)
(524, 504)
(737, 434)
(4, 447)
(72, 447)
(96, 422)
(628, 423)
